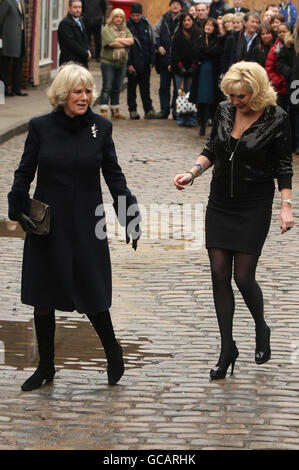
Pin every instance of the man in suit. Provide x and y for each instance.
(12, 27)
(238, 8)
(246, 40)
(72, 36)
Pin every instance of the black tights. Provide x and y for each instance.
(100, 321)
(222, 262)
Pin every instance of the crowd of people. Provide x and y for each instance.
(191, 47)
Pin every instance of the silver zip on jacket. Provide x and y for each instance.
(231, 158)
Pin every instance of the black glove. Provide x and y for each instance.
(26, 223)
(133, 228)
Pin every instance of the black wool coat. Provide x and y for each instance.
(73, 42)
(69, 269)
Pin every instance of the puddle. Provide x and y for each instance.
(80, 349)
(10, 228)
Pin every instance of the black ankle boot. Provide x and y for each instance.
(225, 360)
(45, 332)
(43, 372)
(115, 363)
(263, 350)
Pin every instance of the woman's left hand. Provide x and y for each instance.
(286, 218)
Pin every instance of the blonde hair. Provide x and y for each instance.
(255, 78)
(239, 16)
(116, 11)
(227, 18)
(70, 75)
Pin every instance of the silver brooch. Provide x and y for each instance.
(94, 130)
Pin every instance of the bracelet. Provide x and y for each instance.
(192, 181)
(201, 167)
(289, 201)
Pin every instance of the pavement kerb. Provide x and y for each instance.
(21, 126)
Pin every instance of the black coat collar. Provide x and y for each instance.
(74, 124)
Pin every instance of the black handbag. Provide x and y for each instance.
(39, 213)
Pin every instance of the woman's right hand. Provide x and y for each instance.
(182, 180)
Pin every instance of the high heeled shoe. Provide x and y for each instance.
(43, 372)
(225, 360)
(263, 350)
(115, 364)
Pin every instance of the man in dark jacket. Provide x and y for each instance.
(247, 40)
(12, 27)
(141, 57)
(93, 17)
(164, 32)
(72, 36)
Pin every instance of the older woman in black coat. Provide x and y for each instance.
(69, 269)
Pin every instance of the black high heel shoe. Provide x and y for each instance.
(43, 372)
(225, 360)
(263, 350)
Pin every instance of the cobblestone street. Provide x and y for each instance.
(164, 317)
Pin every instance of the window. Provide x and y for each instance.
(45, 31)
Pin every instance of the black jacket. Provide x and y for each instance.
(94, 12)
(227, 52)
(263, 152)
(218, 9)
(241, 52)
(183, 52)
(72, 41)
(205, 52)
(288, 66)
(69, 269)
(164, 31)
(136, 53)
(260, 55)
(233, 10)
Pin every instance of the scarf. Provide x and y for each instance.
(119, 53)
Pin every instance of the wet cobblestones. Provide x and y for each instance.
(164, 316)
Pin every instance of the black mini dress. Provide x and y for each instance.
(240, 223)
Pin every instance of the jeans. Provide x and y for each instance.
(178, 81)
(113, 77)
(187, 119)
(164, 91)
(143, 80)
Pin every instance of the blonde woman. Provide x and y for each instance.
(238, 21)
(69, 269)
(116, 40)
(249, 146)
